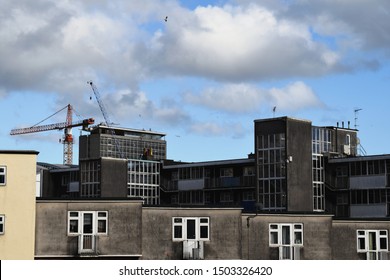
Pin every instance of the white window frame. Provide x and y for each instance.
(363, 238)
(288, 248)
(3, 173)
(181, 224)
(2, 224)
(95, 222)
(295, 229)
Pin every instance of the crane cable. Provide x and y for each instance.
(50, 116)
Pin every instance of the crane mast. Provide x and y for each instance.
(68, 136)
(106, 117)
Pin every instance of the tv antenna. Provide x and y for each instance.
(356, 116)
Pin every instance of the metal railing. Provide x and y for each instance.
(87, 244)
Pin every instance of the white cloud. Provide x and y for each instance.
(234, 43)
(247, 98)
(212, 129)
(295, 96)
(234, 98)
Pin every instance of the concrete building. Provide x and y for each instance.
(88, 228)
(121, 162)
(304, 193)
(360, 239)
(191, 233)
(290, 161)
(57, 180)
(17, 204)
(298, 236)
(359, 187)
(214, 183)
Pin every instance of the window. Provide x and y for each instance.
(3, 175)
(190, 228)
(102, 222)
(288, 238)
(2, 221)
(373, 243)
(249, 171)
(87, 222)
(226, 172)
(73, 223)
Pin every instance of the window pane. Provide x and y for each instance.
(361, 243)
(204, 232)
(1, 229)
(87, 228)
(191, 229)
(102, 214)
(298, 238)
(177, 220)
(273, 226)
(274, 238)
(73, 226)
(178, 232)
(361, 232)
(74, 214)
(372, 241)
(204, 220)
(286, 253)
(102, 226)
(286, 235)
(383, 243)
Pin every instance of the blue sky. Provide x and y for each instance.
(202, 77)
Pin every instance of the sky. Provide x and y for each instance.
(202, 76)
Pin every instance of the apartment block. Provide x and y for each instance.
(17, 204)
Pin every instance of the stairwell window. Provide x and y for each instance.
(190, 228)
(3, 175)
(2, 222)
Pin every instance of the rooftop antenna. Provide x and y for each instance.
(356, 117)
(274, 111)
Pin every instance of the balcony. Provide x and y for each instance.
(87, 245)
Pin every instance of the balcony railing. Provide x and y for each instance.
(87, 244)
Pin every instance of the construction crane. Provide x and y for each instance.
(106, 117)
(67, 126)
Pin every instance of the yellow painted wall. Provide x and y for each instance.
(17, 203)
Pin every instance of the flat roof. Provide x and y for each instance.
(359, 158)
(87, 199)
(129, 130)
(281, 118)
(24, 152)
(176, 164)
(59, 167)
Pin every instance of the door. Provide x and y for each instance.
(87, 237)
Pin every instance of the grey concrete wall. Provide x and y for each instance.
(113, 177)
(299, 171)
(124, 228)
(344, 238)
(316, 236)
(225, 233)
(89, 146)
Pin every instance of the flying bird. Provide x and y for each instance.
(166, 19)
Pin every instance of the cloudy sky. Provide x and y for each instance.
(202, 76)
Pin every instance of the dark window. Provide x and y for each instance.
(191, 229)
